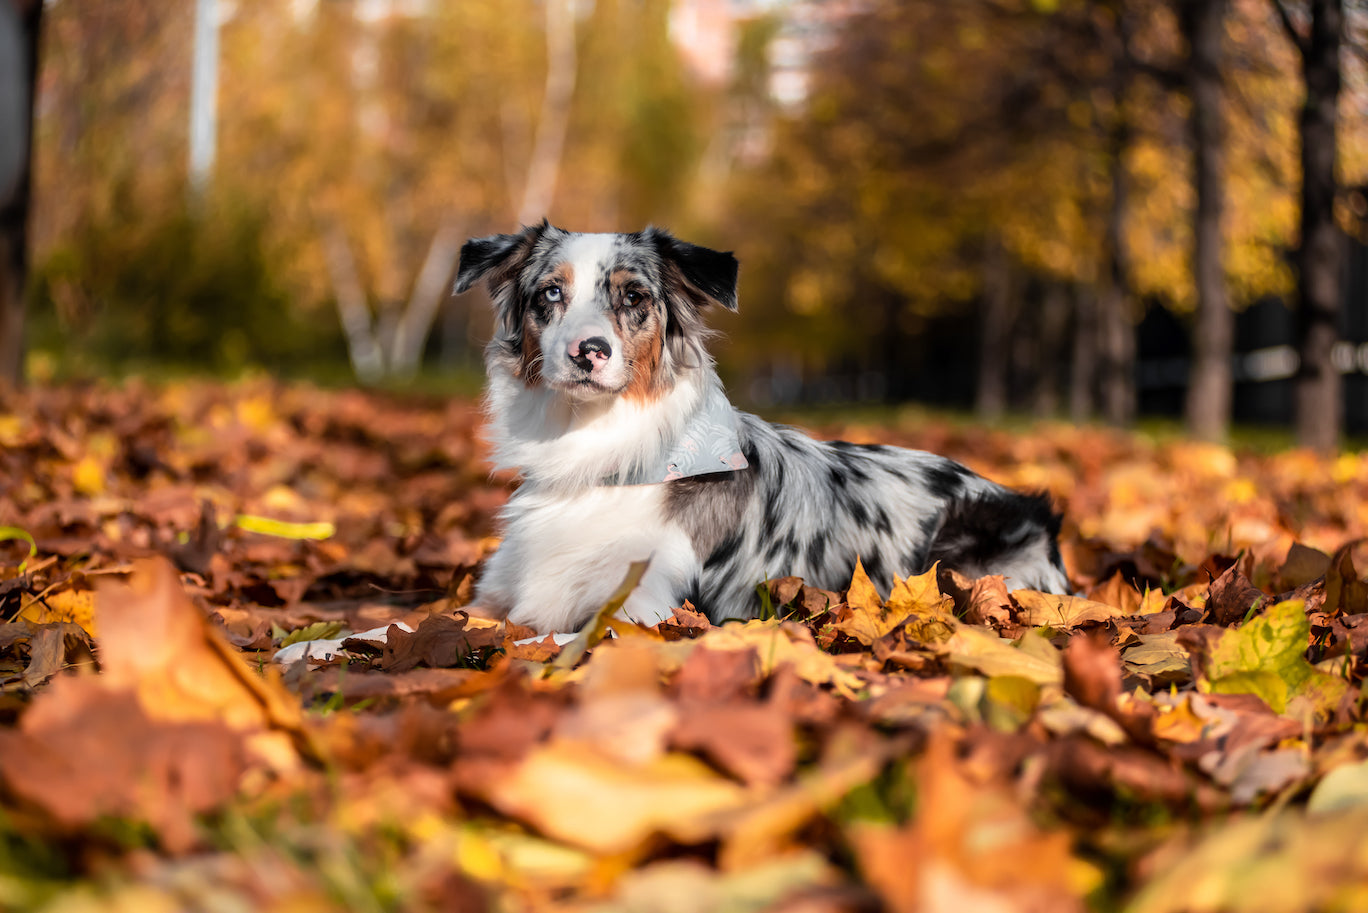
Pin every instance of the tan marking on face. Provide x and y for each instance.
(564, 276)
(643, 348)
(529, 366)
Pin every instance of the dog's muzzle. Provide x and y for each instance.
(589, 353)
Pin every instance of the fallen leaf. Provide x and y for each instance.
(1037, 609)
(1231, 597)
(980, 649)
(575, 795)
(1265, 657)
(85, 751)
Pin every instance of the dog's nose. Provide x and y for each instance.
(585, 353)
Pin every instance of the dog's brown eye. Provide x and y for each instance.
(634, 297)
(552, 293)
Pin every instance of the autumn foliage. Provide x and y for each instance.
(945, 746)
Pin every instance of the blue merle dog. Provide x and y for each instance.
(603, 397)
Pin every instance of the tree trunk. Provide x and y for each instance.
(1319, 259)
(20, 21)
(1115, 331)
(544, 168)
(990, 400)
(431, 286)
(1083, 368)
(1054, 322)
(363, 345)
(1210, 383)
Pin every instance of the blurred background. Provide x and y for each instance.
(1090, 209)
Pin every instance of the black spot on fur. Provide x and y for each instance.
(725, 550)
(858, 512)
(852, 464)
(929, 524)
(882, 524)
(839, 478)
(977, 530)
(773, 550)
(816, 552)
(874, 566)
(945, 479)
(774, 497)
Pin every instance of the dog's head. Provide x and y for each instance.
(595, 315)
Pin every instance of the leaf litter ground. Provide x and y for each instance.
(1186, 733)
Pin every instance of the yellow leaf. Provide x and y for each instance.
(919, 594)
(981, 649)
(863, 596)
(575, 795)
(284, 529)
(73, 605)
(1180, 723)
(1060, 611)
(88, 476)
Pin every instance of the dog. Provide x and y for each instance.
(602, 395)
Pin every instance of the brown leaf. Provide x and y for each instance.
(1302, 565)
(1344, 591)
(51, 648)
(1094, 771)
(987, 602)
(753, 742)
(441, 641)
(84, 752)
(155, 642)
(971, 845)
(717, 675)
(1092, 673)
(1231, 597)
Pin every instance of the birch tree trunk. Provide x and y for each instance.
(543, 168)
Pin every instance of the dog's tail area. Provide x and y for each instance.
(1005, 532)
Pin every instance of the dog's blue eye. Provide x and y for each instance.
(552, 293)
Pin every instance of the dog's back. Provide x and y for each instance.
(810, 508)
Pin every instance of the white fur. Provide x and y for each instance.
(563, 551)
(566, 444)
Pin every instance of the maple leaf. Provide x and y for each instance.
(1266, 658)
(916, 603)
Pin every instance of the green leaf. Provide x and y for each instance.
(1266, 658)
(14, 532)
(319, 630)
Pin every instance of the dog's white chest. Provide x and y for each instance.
(566, 551)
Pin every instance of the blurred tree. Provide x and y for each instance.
(1320, 249)
(1213, 334)
(944, 149)
(20, 22)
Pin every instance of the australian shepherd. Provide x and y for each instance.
(603, 397)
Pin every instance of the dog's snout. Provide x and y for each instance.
(586, 353)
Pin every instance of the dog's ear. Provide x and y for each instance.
(709, 275)
(495, 256)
